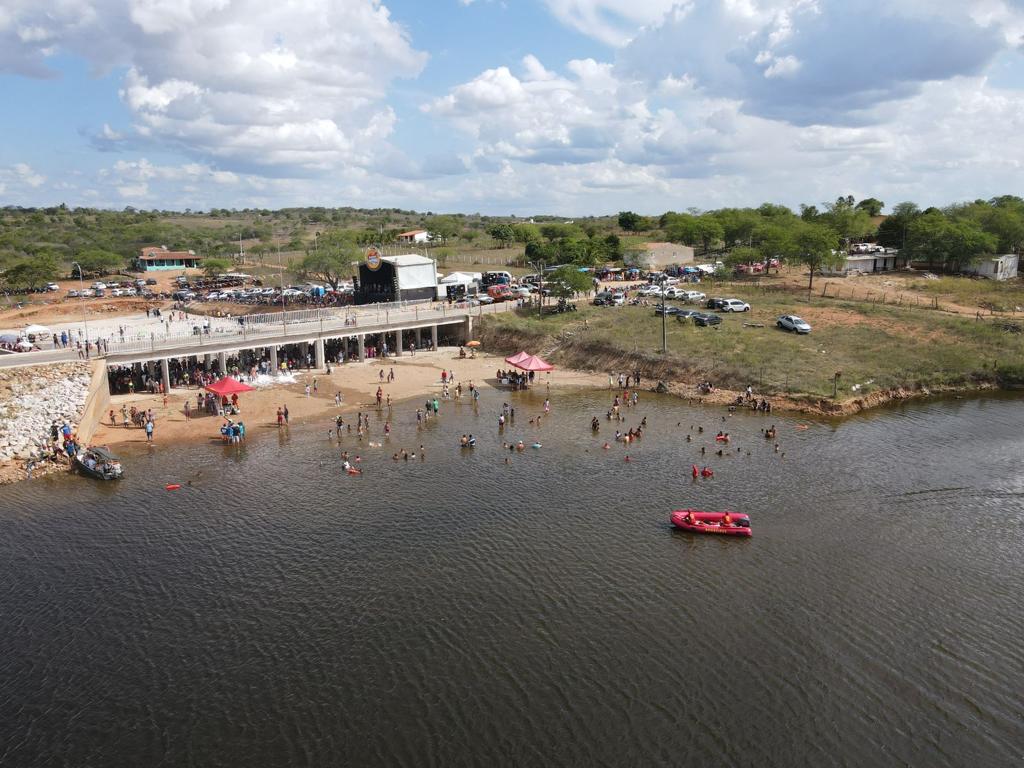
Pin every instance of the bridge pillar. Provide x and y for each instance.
(273, 360)
(361, 340)
(165, 374)
(222, 363)
(318, 351)
(207, 361)
(433, 336)
(469, 328)
(419, 338)
(398, 343)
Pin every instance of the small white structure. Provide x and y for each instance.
(883, 260)
(414, 236)
(1002, 267)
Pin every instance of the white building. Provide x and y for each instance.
(414, 236)
(878, 260)
(1002, 267)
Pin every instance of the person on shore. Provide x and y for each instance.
(280, 417)
(285, 411)
(337, 399)
(315, 388)
(188, 410)
(113, 421)
(380, 396)
(380, 375)
(391, 374)
(149, 431)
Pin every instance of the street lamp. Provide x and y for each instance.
(85, 321)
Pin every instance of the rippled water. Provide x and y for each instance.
(461, 611)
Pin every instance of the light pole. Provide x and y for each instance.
(85, 321)
(539, 266)
(664, 318)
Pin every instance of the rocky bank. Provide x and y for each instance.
(31, 398)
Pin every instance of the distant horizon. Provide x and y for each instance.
(577, 106)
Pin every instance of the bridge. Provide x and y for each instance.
(265, 334)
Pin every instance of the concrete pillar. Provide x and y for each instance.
(273, 360)
(419, 338)
(303, 352)
(222, 362)
(398, 343)
(318, 352)
(165, 374)
(151, 369)
(207, 361)
(433, 335)
(469, 328)
(361, 340)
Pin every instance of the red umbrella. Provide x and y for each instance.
(228, 386)
(530, 363)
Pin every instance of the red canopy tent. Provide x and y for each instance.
(228, 386)
(530, 363)
(512, 360)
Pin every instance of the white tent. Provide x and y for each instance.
(37, 330)
(457, 278)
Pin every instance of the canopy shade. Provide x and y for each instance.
(517, 357)
(36, 330)
(530, 363)
(228, 386)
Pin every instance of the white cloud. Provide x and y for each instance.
(246, 83)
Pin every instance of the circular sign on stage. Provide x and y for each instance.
(373, 259)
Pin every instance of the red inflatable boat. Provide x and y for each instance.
(723, 523)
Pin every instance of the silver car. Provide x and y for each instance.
(793, 323)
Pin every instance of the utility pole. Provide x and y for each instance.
(85, 321)
(664, 319)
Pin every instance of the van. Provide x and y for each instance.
(497, 278)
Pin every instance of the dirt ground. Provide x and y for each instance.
(416, 376)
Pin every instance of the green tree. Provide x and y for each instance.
(892, 233)
(444, 228)
(631, 222)
(503, 233)
(96, 261)
(872, 206)
(742, 254)
(567, 281)
(937, 240)
(215, 266)
(31, 273)
(815, 246)
(331, 261)
(846, 220)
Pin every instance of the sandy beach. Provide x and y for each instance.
(415, 376)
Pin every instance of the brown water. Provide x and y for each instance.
(461, 611)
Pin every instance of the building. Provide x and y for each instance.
(153, 259)
(414, 236)
(880, 260)
(409, 277)
(1002, 267)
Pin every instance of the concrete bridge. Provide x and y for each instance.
(209, 339)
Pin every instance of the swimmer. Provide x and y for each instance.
(606, 446)
(703, 450)
(689, 438)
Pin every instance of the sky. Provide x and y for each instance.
(568, 107)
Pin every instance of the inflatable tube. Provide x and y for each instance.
(172, 486)
(535, 445)
(355, 471)
(721, 439)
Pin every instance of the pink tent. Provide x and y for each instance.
(516, 358)
(228, 386)
(530, 363)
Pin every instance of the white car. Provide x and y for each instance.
(693, 296)
(671, 281)
(793, 323)
(735, 305)
(52, 287)
(98, 286)
(211, 296)
(117, 292)
(649, 290)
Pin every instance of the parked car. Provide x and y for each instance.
(686, 314)
(693, 296)
(85, 293)
(116, 292)
(735, 305)
(793, 323)
(483, 298)
(52, 287)
(150, 281)
(707, 318)
(666, 309)
(73, 294)
(714, 303)
(98, 286)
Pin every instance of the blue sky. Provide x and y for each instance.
(522, 106)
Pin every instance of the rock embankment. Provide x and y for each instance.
(32, 398)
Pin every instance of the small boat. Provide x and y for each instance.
(722, 523)
(99, 462)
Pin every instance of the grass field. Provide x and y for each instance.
(873, 346)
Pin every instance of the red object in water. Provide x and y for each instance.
(172, 487)
(695, 521)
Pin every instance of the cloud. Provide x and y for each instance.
(614, 22)
(244, 83)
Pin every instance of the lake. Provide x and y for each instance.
(465, 611)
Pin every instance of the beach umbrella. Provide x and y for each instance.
(473, 343)
(228, 386)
